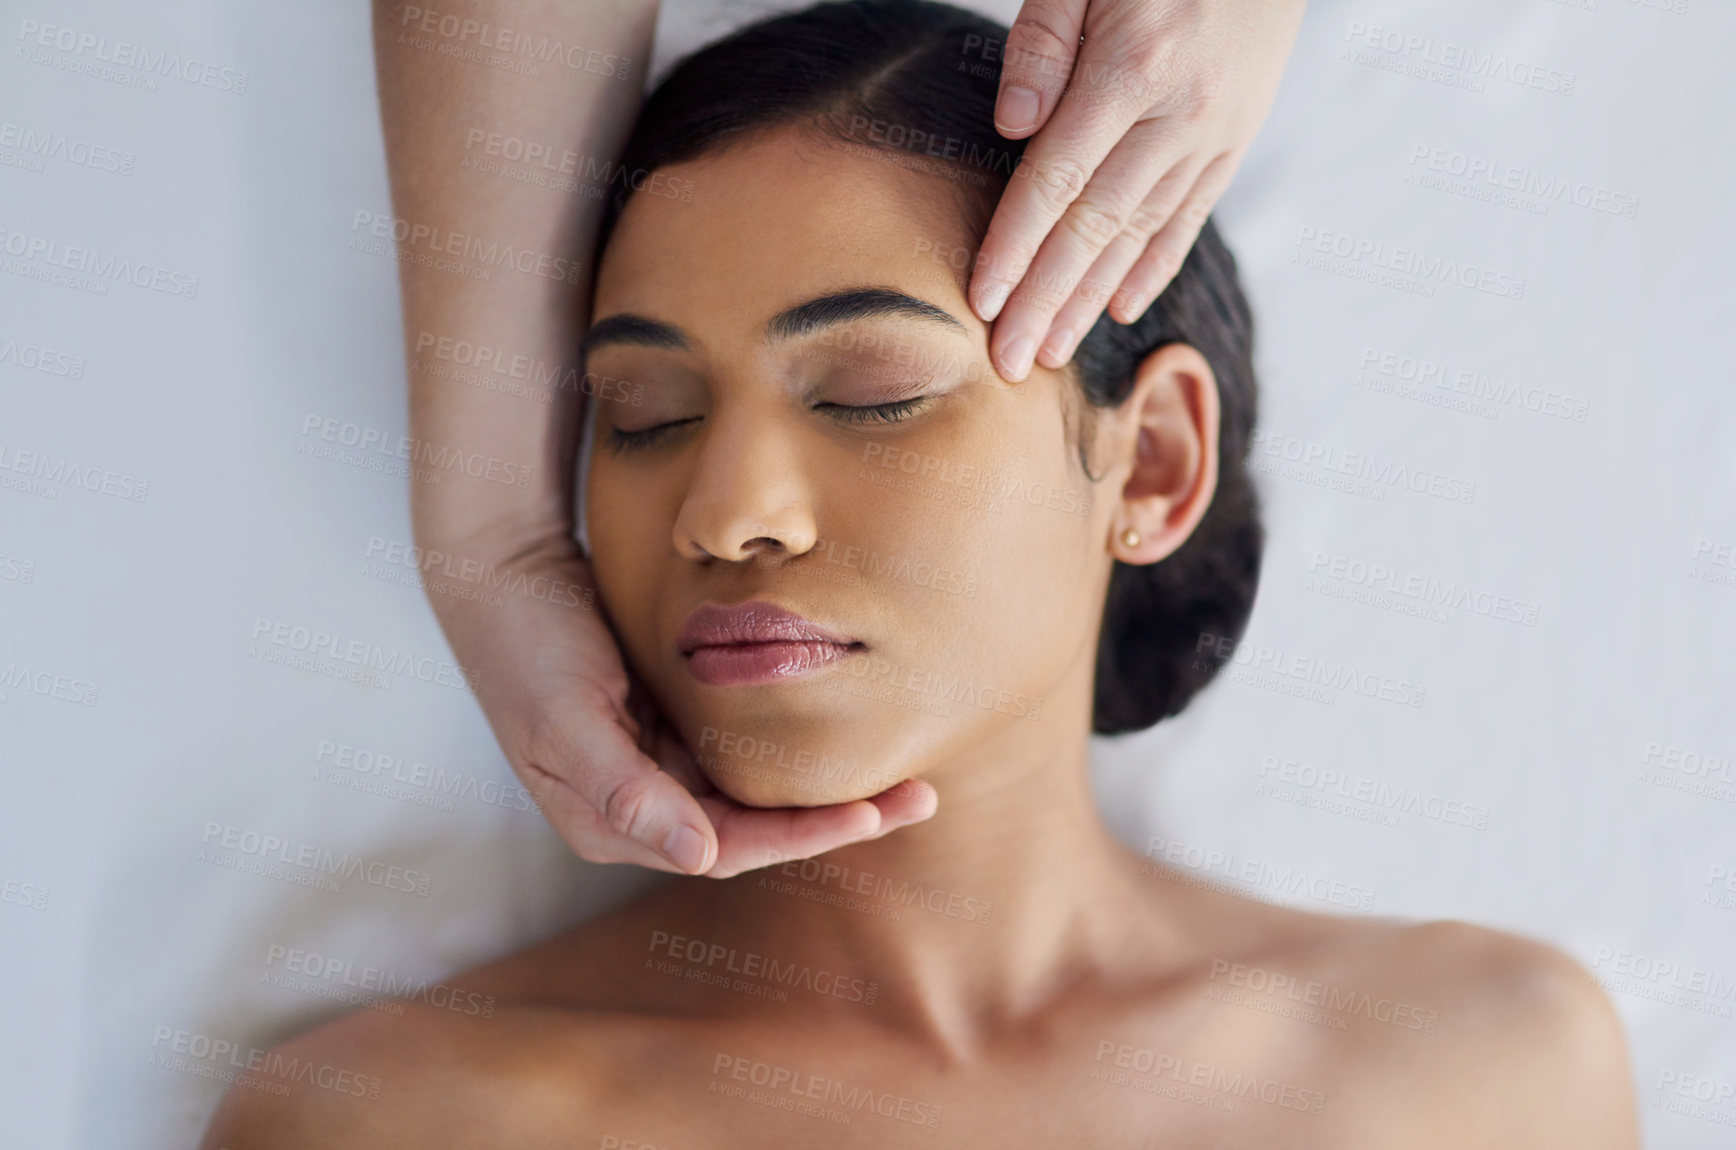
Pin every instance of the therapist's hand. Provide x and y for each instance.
(1134, 135)
(611, 777)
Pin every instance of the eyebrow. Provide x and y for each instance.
(627, 329)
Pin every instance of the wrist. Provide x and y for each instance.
(499, 528)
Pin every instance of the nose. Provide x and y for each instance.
(748, 494)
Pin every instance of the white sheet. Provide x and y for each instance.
(1617, 529)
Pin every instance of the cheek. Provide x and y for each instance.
(979, 547)
(1032, 582)
(629, 536)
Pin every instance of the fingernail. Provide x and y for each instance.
(1060, 346)
(1017, 355)
(1017, 110)
(994, 298)
(685, 847)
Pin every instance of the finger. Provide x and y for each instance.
(633, 800)
(911, 801)
(1167, 250)
(1135, 190)
(1035, 63)
(749, 838)
(579, 825)
(1101, 282)
(1052, 172)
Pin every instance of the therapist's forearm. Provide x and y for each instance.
(442, 114)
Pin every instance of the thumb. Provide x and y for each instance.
(635, 800)
(1036, 63)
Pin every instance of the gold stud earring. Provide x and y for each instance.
(1130, 538)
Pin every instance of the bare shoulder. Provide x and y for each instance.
(521, 1051)
(1517, 1045)
(1418, 1033)
(427, 1077)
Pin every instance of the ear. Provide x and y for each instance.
(1166, 437)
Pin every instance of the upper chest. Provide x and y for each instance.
(1194, 1073)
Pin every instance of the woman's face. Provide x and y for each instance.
(818, 429)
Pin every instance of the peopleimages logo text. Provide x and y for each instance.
(312, 641)
(382, 225)
(125, 54)
(99, 265)
(246, 842)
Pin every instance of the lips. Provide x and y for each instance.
(757, 642)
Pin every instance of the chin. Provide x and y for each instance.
(755, 786)
(773, 772)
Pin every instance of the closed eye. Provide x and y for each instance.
(874, 413)
(624, 441)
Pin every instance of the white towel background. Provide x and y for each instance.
(1590, 740)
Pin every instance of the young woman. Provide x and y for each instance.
(840, 552)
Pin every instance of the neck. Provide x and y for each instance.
(1013, 891)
